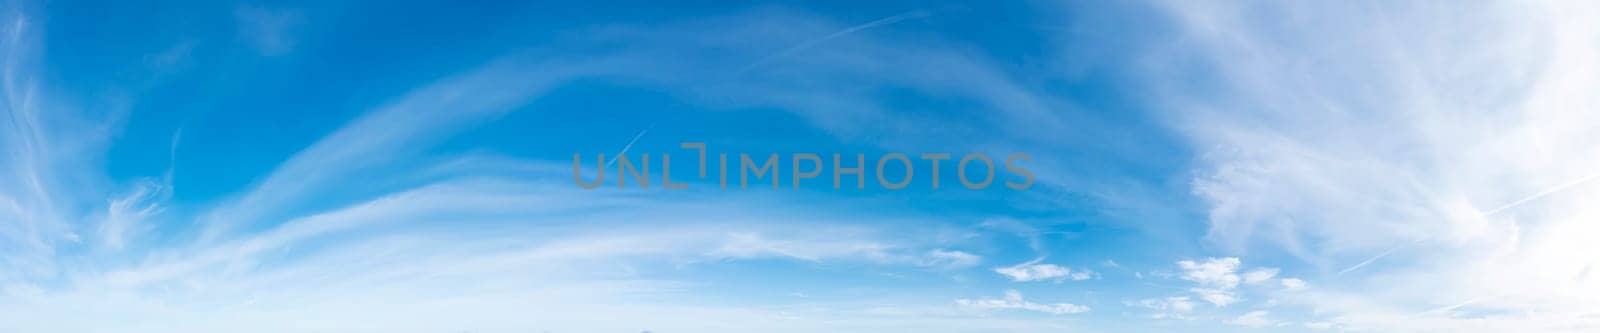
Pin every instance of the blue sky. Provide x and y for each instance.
(405, 166)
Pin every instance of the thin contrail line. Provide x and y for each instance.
(630, 144)
(1458, 305)
(1540, 195)
(841, 33)
(1379, 256)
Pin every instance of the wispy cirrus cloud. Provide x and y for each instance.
(1174, 307)
(1035, 271)
(302, 234)
(1429, 218)
(270, 31)
(1254, 319)
(47, 176)
(1013, 301)
(390, 133)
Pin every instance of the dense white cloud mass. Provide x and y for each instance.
(1436, 160)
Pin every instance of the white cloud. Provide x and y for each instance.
(1013, 301)
(1331, 145)
(263, 256)
(393, 132)
(1035, 271)
(1216, 279)
(1318, 325)
(1176, 307)
(1219, 273)
(1083, 274)
(46, 177)
(1217, 297)
(1179, 304)
(125, 216)
(1351, 131)
(1253, 319)
(1260, 275)
(1293, 283)
(385, 265)
(952, 259)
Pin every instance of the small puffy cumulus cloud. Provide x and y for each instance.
(1220, 282)
(1217, 280)
(1219, 273)
(1035, 271)
(1013, 301)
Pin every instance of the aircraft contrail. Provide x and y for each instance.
(1491, 212)
(1542, 194)
(841, 33)
(630, 144)
(1379, 256)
